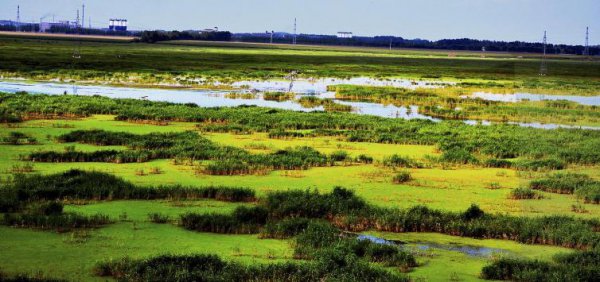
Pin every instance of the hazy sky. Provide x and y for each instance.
(524, 20)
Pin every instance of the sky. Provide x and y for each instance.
(508, 20)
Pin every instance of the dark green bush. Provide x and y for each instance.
(524, 194)
(402, 177)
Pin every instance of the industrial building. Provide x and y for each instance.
(117, 25)
(47, 26)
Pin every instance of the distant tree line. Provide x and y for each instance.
(23, 27)
(88, 31)
(399, 42)
(158, 35)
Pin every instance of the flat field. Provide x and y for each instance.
(396, 166)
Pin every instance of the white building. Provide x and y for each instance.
(344, 34)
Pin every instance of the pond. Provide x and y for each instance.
(221, 98)
(473, 251)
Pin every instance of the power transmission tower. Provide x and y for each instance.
(77, 50)
(543, 66)
(294, 31)
(18, 23)
(83, 16)
(586, 51)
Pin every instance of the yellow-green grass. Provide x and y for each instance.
(69, 256)
(447, 189)
(445, 265)
(138, 210)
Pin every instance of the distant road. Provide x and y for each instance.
(62, 35)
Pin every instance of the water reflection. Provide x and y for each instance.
(518, 97)
(220, 98)
(474, 251)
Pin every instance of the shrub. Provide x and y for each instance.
(284, 228)
(364, 159)
(524, 193)
(61, 222)
(339, 156)
(400, 161)
(498, 163)
(473, 212)
(536, 165)
(402, 177)
(458, 156)
(158, 217)
(243, 221)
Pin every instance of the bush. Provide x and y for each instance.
(473, 212)
(402, 177)
(243, 221)
(524, 193)
(285, 228)
(458, 156)
(537, 165)
(364, 159)
(339, 156)
(400, 161)
(61, 222)
(498, 163)
(158, 217)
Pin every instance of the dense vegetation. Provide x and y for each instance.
(552, 148)
(152, 36)
(328, 267)
(454, 103)
(570, 183)
(578, 266)
(352, 213)
(89, 185)
(331, 255)
(227, 160)
(399, 42)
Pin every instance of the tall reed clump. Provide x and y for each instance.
(91, 185)
(244, 220)
(203, 267)
(18, 138)
(50, 216)
(570, 183)
(224, 160)
(577, 266)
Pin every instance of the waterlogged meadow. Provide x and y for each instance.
(316, 187)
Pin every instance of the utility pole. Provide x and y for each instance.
(77, 20)
(543, 66)
(294, 31)
(586, 51)
(272, 31)
(18, 24)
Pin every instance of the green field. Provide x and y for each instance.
(452, 166)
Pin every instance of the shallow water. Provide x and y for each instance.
(518, 97)
(319, 86)
(218, 98)
(474, 251)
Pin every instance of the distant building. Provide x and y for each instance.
(46, 26)
(215, 29)
(117, 25)
(344, 34)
